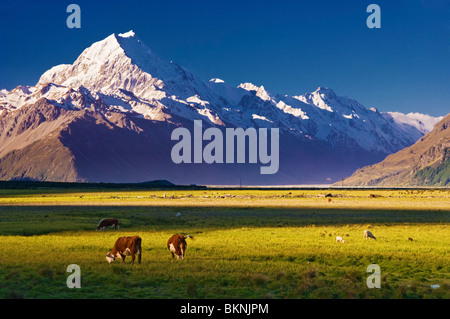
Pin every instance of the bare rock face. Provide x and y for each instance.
(108, 117)
(424, 163)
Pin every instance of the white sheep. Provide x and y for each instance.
(339, 239)
(178, 214)
(368, 234)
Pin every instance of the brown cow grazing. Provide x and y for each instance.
(126, 246)
(177, 245)
(108, 222)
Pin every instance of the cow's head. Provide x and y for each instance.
(110, 258)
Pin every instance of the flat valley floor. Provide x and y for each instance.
(248, 243)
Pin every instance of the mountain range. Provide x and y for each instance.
(426, 162)
(108, 117)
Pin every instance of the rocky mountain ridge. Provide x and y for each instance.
(109, 115)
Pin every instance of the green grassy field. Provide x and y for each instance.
(248, 243)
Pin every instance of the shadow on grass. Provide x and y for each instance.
(38, 220)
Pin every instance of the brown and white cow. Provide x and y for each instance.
(177, 245)
(108, 222)
(126, 246)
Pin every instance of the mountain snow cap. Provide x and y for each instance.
(326, 91)
(259, 90)
(216, 80)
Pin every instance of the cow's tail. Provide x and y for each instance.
(138, 245)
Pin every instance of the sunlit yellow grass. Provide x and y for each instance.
(393, 199)
(239, 257)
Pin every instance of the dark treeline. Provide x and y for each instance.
(158, 184)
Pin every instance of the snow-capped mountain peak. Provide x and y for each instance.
(319, 98)
(107, 58)
(120, 73)
(325, 92)
(422, 122)
(119, 85)
(259, 90)
(123, 63)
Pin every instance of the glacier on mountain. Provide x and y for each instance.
(121, 74)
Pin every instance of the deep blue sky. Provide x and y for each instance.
(290, 47)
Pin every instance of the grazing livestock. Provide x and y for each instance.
(108, 222)
(177, 245)
(368, 234)
(410, 239)
(178, 214)
(339, 239)
(126, 246)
